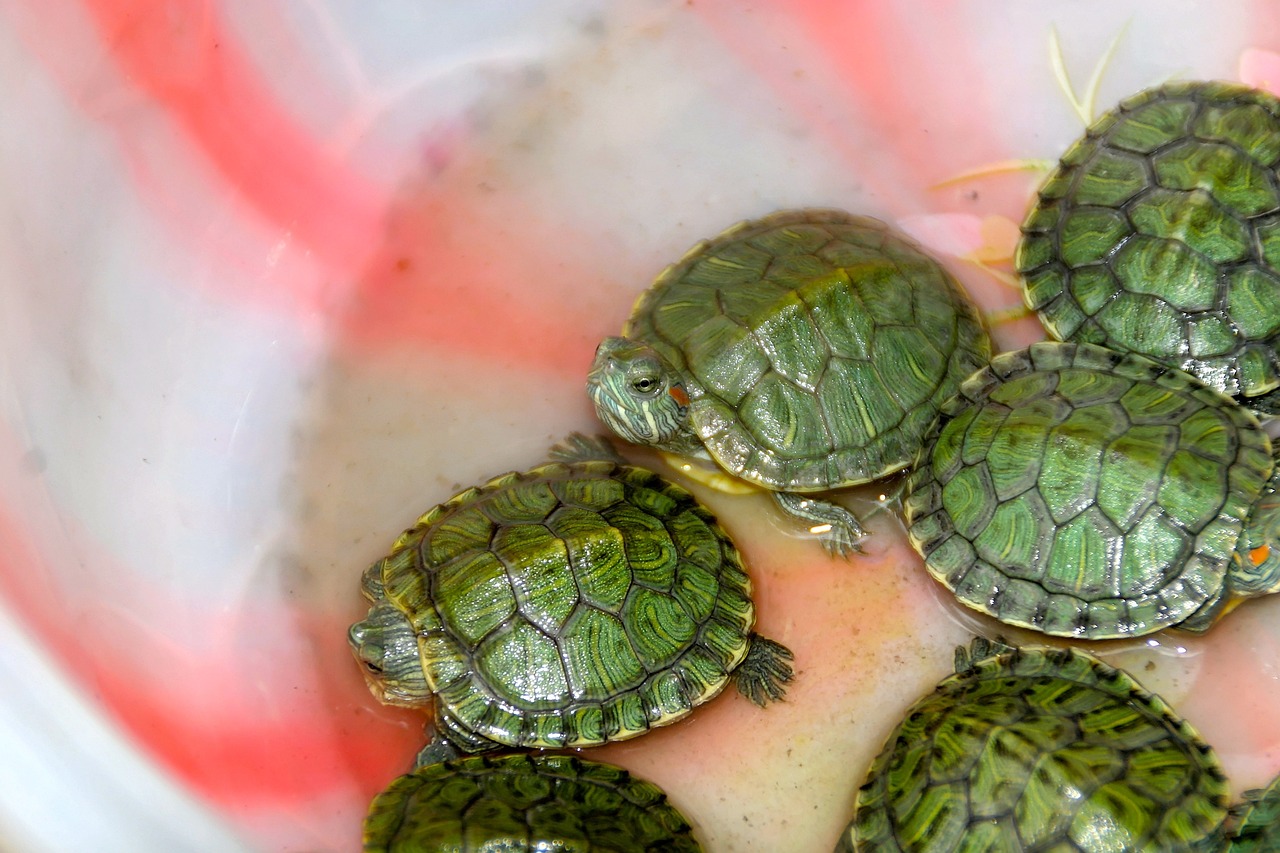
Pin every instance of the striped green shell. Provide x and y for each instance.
(524, 804)
(1086, 493)
(815, 346)
(572, 604)
(1159, 233)
(1259, 827)
(1040, 749)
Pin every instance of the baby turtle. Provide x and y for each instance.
(1259, 826)
(525, 804)
(1040, 749)
(1087, 493)
(802, 352)
(1159, 233)
(581, 602)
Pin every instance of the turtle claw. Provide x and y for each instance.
(836, 527)
(838, 542)
(979, 649)
(761, 675)
(578, 447)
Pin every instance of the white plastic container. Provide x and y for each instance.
(277, 276)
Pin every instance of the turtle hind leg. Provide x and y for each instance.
(761, 675)
(837, 529)
(577, 447)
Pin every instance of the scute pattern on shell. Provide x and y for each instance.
(1039, 749)
(1086, 493)
(525, 803)
(816, 346)
(572, 604)
(1159, 233)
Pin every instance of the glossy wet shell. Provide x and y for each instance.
(1259, 827)
(1159, 233)
(524, 803)
(815, 345)
(572, 605)
(1086, 493)
(1040, 749)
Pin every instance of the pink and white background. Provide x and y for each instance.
(277, 276)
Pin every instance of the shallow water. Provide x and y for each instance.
(276, 280)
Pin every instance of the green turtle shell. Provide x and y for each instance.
(1259, 828)
(524, 804)
(815, 346)
(1159, 233)
(571, 605)
(1040, 749)
(1087, 493)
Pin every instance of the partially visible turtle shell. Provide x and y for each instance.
(1259, 828)
(1040, 749)
(524, 804)
(1159, 233)
(816, 346)
(1087, 493)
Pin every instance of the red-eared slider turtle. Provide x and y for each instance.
(577, 603)
(1087, 493)
(1040, 749)
(805, 351)
(524, 804)
(1159, 233)
(1258, 830)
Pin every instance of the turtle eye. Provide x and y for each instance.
(644, 385)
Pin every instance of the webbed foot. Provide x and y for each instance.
(577, 447)
(761, 676)
(836, 527)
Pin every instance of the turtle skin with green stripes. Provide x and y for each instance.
(525, 804)
(1258, 828)
(577, 603)
(1159, 233)
(1087, 493)
(805, 351)
(1040, 749)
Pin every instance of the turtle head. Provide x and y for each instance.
(640, 396)
(386, 646)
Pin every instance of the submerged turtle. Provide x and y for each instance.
(522, 804)
(805, 351)
(1259, 827)
(1159, 233)
(1040, 749)
(1087, 493)
(581, 602)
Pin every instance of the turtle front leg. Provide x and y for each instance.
(437, 750)
(761, 675)
(837, 529)
(450, 740)
(577, 447)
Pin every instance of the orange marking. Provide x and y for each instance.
(1259, 555)
(677, 394)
